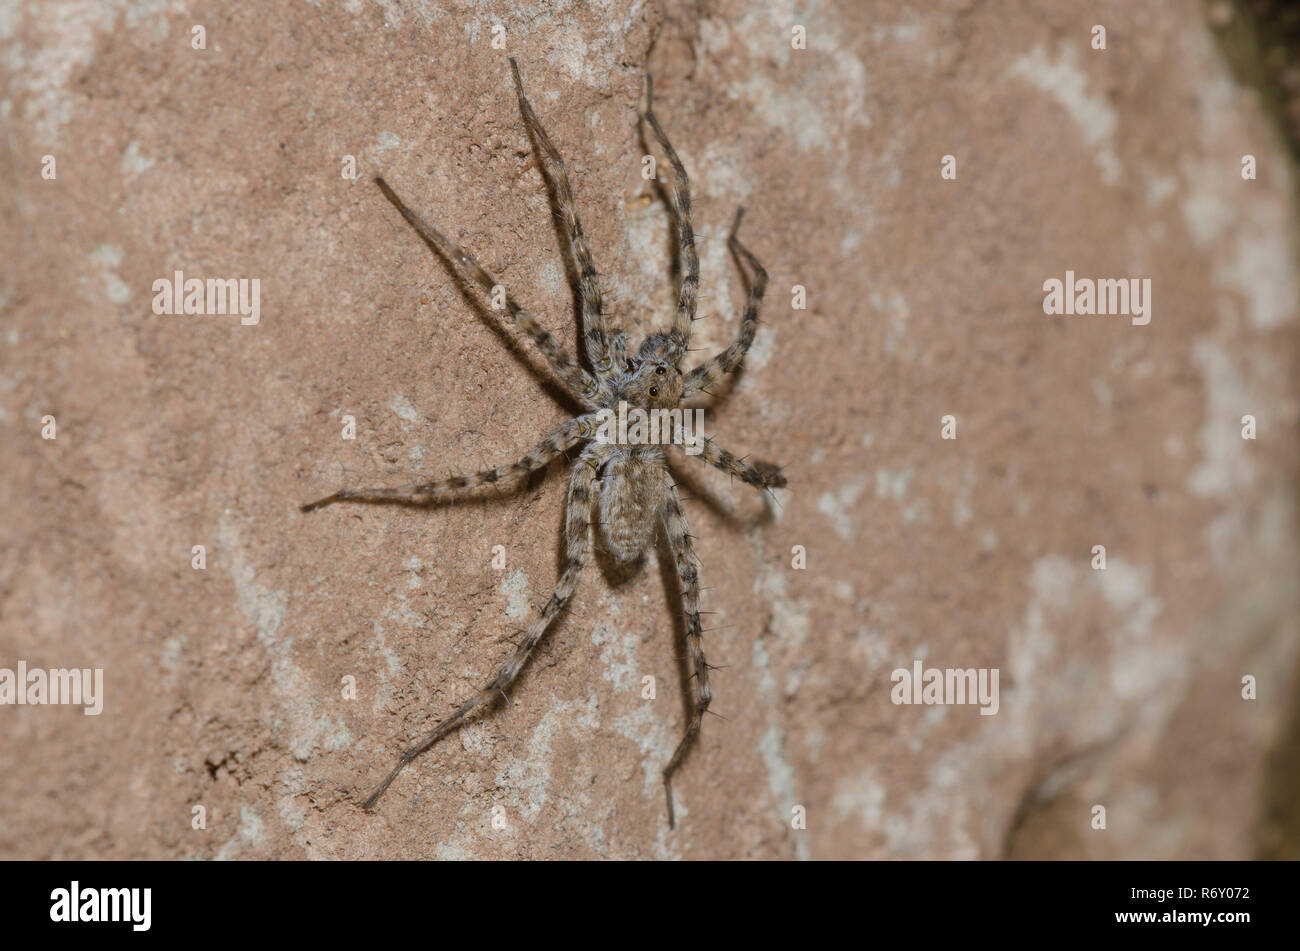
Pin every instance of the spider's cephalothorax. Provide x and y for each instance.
(627, 481)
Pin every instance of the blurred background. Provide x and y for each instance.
(253, 700)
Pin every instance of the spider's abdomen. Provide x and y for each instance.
(630, 500)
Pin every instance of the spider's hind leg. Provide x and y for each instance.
(577, 523)
(679, 540)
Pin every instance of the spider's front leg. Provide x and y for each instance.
(578, 379)
(577, 522)
(566, 436)
(710, 372)
(679, 541)
(602, 348)
(688, 294)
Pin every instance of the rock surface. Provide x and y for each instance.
(224, 687)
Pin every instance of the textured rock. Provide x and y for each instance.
(223, 687)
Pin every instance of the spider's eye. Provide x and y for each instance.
(660, 371)
(654, 391)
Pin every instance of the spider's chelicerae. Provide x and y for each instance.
(630, 484)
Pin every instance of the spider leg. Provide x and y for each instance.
(578, 379)
(679, 540)
(577, 522)
(759, 474)
(567, 435)
(710, 372)
(596, 338)
(680, 335)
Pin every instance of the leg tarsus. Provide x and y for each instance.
(312, 506)
(692, 733)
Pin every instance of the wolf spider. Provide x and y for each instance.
(630, 483)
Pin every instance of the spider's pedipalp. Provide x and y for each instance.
(562, 438)
(597, 341)
(576, 525)
(688, 294)
(679, 541)
(578, 379)
(618, 350)
(712, 371)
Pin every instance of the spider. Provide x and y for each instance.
(629, 483)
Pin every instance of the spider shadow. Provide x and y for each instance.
(620, 573)
(698, 491)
